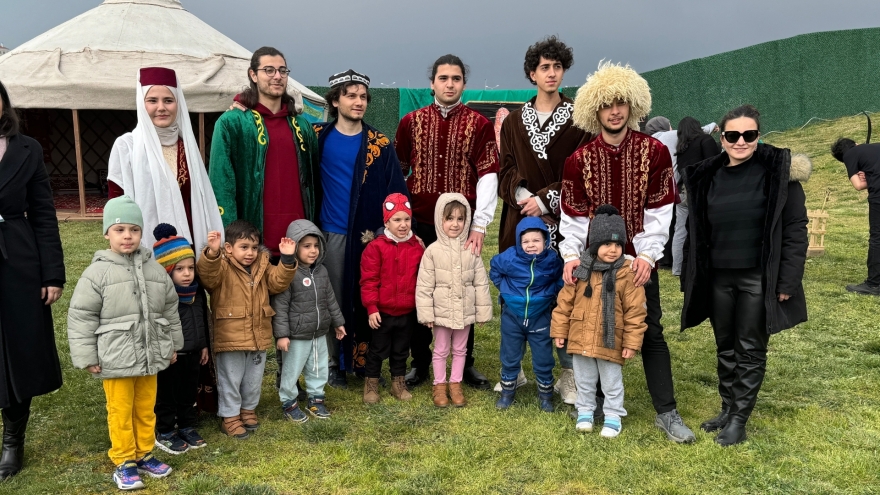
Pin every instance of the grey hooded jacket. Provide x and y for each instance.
(123, 316)
(308, 308)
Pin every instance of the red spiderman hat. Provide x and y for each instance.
(393, 203)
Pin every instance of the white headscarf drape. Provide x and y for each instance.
(138, 166)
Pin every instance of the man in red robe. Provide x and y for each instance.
(448, 147)
(633, 172)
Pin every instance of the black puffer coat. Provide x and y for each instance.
(785, 243)
(308, 308)
(194, 320)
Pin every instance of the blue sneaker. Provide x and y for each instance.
(584, 422)
(171, 442)
(126, 476)
(293, 413)
(318, 409)
(153, 467)
(612, 427)
(192, 438)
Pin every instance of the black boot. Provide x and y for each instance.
(476, 379)
(13, 445)
(718, 422)
(416, 377)
(732, 433)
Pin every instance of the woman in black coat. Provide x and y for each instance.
(744, 259)
(31, 279)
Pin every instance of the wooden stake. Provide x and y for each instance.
(79, 163)
(201, 136)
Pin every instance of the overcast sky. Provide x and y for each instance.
(395, 41)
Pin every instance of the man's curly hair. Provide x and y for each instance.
(550, 48)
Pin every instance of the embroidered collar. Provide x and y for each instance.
(446, 110)
(539, 139)
(616, 149)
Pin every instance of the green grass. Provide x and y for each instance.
(816, 428)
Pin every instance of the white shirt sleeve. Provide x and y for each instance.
(575, 230)
(487, 200)
(708, 128)
(523, 193)
(650, 242)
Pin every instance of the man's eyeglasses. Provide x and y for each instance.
(733, 136)
(270, 71)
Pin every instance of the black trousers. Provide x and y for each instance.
(391, 341)
(422, 336)
(177, 387)
(741, 336)
(873, 244)
(655, 352)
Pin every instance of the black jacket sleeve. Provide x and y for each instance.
(793, 253)
(44, 222)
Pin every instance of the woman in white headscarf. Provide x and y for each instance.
(159, 166)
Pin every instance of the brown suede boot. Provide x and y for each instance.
(371, 391)
(234, 427)
(456, 396)
(398, 388)
(249, 420)
(439, 395)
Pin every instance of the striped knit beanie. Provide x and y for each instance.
(170, 249)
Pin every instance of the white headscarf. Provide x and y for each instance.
(141, 171)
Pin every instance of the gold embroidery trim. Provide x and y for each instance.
(299, 135)
(261, 128)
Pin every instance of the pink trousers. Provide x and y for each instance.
(444, 338)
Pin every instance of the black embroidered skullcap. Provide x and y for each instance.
(348, 76)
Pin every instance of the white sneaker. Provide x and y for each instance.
(566, 387)
(520, 381)
(612, 427)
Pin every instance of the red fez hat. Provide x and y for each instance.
(152, 76)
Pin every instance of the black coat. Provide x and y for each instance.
(194, 321)
(784, 250)
(31, 259)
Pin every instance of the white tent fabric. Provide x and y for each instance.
(91, 61)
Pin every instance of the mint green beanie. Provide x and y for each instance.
(122, 210)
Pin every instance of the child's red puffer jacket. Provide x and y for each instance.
(389, 270)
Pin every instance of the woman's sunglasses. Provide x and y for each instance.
(733, 136)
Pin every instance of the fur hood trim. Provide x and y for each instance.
(609, 82)
(801, 168)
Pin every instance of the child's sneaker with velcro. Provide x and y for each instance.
(318, 409)
(292, 412)
(584, 422)
(171, 442)
(153, 467)
(192, 437)
(126, 476)
(612, 426)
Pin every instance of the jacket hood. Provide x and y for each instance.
(301, 228)
(531, 223)
(121, 259)
(442, 201)
(801, 168)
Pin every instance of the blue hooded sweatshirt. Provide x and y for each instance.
(528, 284)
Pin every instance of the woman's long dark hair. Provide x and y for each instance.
(251, 96)
(9, 123)
(688, 131)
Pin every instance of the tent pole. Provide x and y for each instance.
(202, 135)
(79, 164)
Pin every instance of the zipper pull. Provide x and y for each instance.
(526, 322)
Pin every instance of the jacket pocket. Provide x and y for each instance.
(116, 345)
(163, 338)
(230, 312)
(268, 312)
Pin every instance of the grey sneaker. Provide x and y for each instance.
(520, 381)
(675, 429)
(566, 387)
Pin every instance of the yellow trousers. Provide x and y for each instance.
(131, 418)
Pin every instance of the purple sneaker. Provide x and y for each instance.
(153, 467)
(126, 476)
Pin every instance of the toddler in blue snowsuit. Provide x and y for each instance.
(528, 276)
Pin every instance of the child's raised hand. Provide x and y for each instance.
(94, 369)
(287, 246)
(628, 353)
(375, 321)
(214, 242)
(204, 359)
(283, 344)
(560, 343)
(340, 332)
